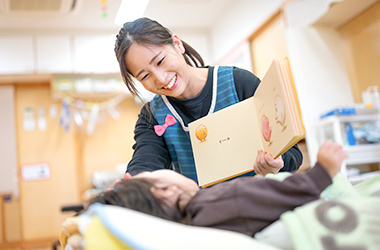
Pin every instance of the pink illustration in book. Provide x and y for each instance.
(266, 129)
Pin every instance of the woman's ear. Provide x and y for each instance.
(163, 193)
(178, 44)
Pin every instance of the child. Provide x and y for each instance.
(246, 204)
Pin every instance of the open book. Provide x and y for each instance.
(225, 144)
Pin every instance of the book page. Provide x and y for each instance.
(225, 143)
(274, 111)
(292, 93)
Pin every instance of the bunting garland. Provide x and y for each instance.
(82, 110)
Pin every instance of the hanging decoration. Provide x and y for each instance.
(88, 111)
(104, 8)
(64, 119)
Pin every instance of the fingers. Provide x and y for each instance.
(333, 150)
(265, 163)
(331, 155)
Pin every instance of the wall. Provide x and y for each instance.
(268, 43)
(43, 192)
(199, 40)
(361, 43)
(8, 149)
(35, 217)
(66, 52)
(238, 24)
(73, 51)
(320, 76)
(318, 59)
(9, 184)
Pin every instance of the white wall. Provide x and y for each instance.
(8, 150)
(67, 52)
(16, 54)
(199, 40)
(320, 76)
(238, 24)
(58, 53)
(318, 65)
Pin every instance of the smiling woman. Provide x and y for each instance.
(185, 90)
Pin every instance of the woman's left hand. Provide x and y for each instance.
(265, 163)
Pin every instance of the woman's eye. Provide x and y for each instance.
(160, 62)
(144, 77)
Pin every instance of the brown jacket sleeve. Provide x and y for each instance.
(249, 204)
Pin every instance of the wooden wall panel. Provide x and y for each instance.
(361, 40)
(268, 43)
(2, 215)
(111, 142)
(12, 219)
(41, 200)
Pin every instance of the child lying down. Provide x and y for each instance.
(245, 205)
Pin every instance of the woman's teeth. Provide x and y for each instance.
(171, 83)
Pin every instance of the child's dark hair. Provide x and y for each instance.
(136, 194)
(147, 31)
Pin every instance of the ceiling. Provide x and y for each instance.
(99, 15)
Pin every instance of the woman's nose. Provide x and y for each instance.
(160, 76)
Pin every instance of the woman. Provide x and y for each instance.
(185, 91)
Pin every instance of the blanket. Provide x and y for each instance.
(112, 227)
(347, 217)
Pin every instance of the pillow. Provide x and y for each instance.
(136, 230)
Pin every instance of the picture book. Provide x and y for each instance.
(225, 144)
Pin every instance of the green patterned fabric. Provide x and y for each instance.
(347, 217)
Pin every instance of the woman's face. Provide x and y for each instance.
(161, 69)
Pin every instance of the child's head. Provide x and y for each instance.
(144, 31)
(136, 194)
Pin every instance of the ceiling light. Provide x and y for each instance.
(130, 10)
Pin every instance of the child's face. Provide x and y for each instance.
(161, 69)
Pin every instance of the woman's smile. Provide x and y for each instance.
(163, 70)
(172, 83)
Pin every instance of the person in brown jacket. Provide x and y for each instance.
(246, 205)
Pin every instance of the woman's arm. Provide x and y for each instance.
(150, 151)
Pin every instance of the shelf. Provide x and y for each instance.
(331, 127)
(93, 87)
(350, 118)
(93, 96)
(363, 154)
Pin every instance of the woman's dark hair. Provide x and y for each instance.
(136, 194)
(147, 31)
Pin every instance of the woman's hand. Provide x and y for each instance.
(164, 178)
(265, 163)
